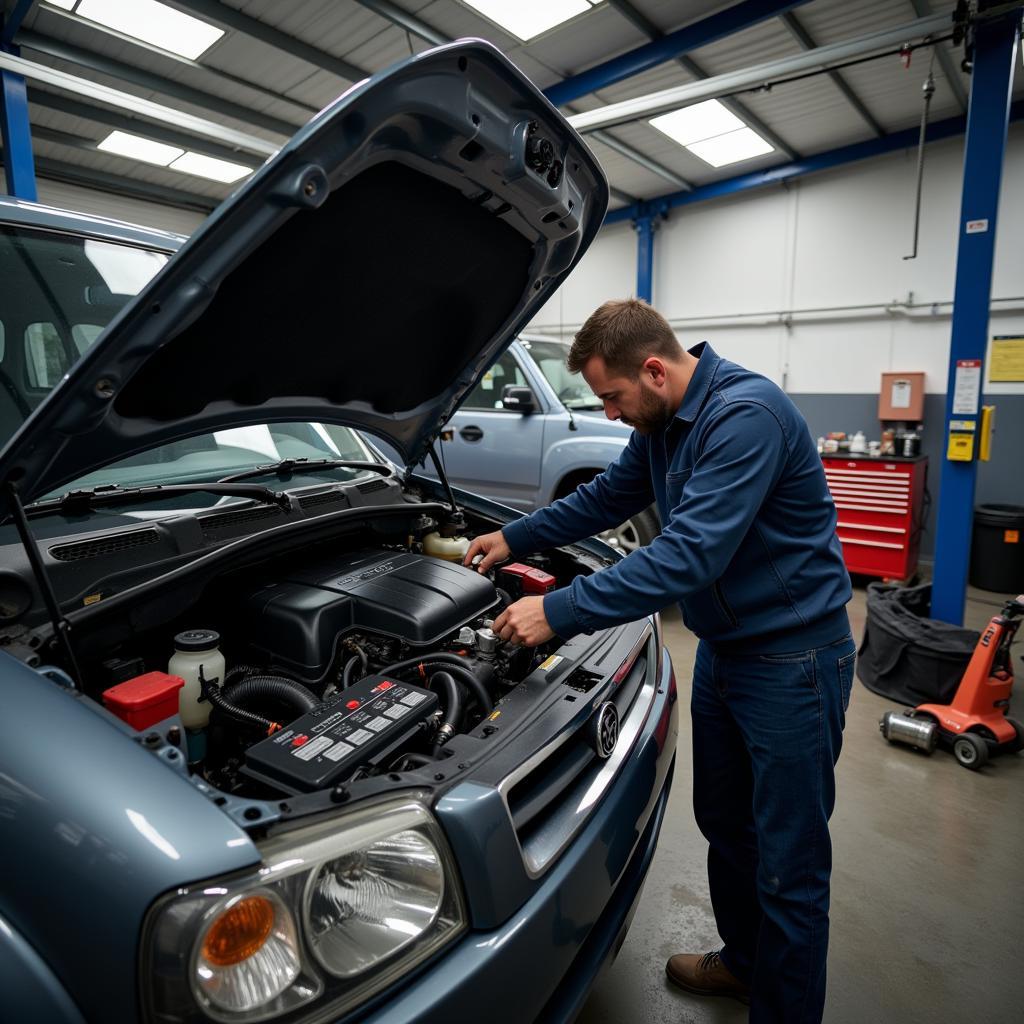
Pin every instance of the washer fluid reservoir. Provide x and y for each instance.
(195, 649)
(451, 549)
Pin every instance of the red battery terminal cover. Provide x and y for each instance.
(531, 581)
(144, 700)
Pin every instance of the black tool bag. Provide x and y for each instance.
(907, 656)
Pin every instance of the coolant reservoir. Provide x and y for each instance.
(451, 549)
(193, 649)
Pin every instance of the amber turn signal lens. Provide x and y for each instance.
(239, 931)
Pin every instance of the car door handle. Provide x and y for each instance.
(471, 434)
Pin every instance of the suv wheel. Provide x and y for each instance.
(634, 533)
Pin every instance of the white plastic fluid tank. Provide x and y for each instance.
(195, 648)
(451, 549)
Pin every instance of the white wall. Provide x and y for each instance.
(106, 204)
(748, 272)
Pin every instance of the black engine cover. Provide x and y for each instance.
(420, 600)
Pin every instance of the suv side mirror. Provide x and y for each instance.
(516, 398)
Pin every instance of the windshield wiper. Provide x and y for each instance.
(289, 467)
(77, 502)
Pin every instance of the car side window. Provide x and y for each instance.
(487, 393)
(45, 359)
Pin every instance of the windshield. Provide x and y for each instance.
(571, 388)
(59, 291)
(208, 457)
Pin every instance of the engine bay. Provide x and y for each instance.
(334, 663)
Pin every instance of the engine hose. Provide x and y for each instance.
(506, 597)
(446, 663)
(289, 692)
(452, 701)
(346, 675)
(212, 692)
(416, 760)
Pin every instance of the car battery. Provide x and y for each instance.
(521, 580)
(144, 700)
(353, 728)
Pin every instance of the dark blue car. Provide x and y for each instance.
(262, 757)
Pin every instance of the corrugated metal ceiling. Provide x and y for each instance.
(811, 115)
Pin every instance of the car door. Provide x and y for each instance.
(496, 451)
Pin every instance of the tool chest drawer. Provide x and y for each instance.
(880, 507)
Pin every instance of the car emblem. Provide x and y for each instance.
(604, 730)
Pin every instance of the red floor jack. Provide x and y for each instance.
(975, 724)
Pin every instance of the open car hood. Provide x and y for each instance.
(368, 275)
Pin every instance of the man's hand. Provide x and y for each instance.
(492, 546)
(524, 623)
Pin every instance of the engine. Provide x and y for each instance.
(344, 667)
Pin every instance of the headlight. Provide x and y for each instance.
(335, 912)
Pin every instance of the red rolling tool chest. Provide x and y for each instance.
(880, 505)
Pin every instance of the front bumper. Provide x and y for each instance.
(541, 962)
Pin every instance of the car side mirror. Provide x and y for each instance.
(516, 398)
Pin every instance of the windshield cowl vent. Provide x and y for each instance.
(372, 485)
(228, 520)
(103, 546)
(324, 498)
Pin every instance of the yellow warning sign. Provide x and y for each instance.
(1007, 363)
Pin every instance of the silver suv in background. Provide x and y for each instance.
(531, 432)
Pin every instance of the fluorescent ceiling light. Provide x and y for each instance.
(153, 23)
(64, 5)
(210, 167)
(138, 148)
(697, 123)
(711, 132)
(530, 18)
(731, 147)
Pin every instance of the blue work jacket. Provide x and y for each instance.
(748, 547)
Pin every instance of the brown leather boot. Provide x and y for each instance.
(705, 976)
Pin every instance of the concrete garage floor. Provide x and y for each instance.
(927, 885)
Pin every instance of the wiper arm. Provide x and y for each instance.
(289, 467)
(77, 502)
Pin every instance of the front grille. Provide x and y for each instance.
(103, 546)
(211, 525)
(544, 802)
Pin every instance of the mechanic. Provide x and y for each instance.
(749, 550)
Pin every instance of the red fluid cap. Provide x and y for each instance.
(352, 705)
(300, 741)
(532, 581)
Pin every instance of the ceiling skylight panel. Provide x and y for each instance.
(137, 148)
(154, 23)
(529, 18)
(731, 148)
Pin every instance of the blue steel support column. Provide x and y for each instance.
(987, 116)
(645, 228)
(646, 218)
(19, 166)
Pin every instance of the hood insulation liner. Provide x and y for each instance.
(388, 308)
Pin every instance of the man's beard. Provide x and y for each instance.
(654, 414)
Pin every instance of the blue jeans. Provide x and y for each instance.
(767, 730)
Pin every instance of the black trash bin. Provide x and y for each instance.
(906, 656)
(997, 548)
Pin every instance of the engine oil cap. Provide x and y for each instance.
(196, 640)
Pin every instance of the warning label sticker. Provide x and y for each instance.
(309, 750)
(546, 666)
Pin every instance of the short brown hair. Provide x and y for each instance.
(623, 332)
